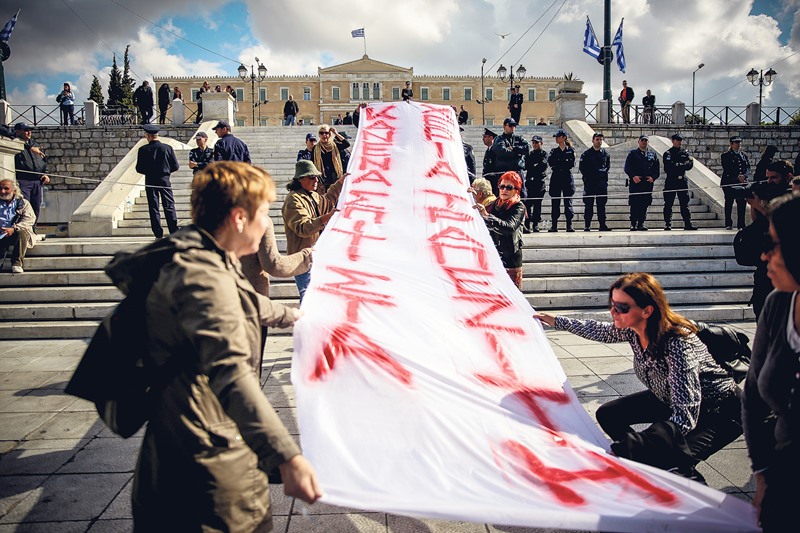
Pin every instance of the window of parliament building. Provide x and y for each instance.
(341, 88)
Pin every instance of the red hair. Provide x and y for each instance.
(513, 178)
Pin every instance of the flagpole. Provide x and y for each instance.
(607, 59)
(365, 42)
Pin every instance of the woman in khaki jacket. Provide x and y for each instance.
(305, 212)
(213, 435)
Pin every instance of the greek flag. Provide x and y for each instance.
(620, 50)
(5, 33)
(357, 33)
(590, 44)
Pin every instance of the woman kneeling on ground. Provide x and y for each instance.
(691, 401)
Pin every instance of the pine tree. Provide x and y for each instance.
(115, 93)
(96, 92)
(127, 82)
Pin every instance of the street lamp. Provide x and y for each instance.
(483, 94)
(501, 73)
(262, 73)
(701, 65)
(760, 78)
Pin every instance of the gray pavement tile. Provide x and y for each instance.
(24, 380)
(14, 489)
(68, 425)
(280, 523)
(46, 527)
(58, 381)
(288, 416)
(8, 396)
(124, 525)
(104, 455)
(338, 523)
(11, 363)
(605, 366)
(574, 367)
(7, 347)
(568, 339)
(53, 444)
(120, 508)
(405, 524)
(562, 353)
(592, 350)
(301, 508)
(50, 364)
(590, 386)
(67, 498)
(624, 384)
(35, 348)
(37, 401)
(16, 426)
(280, 503)
(282, 396)
(515, 529)
(7, 445)
(622, 348)
(26, 461)
(734, 466)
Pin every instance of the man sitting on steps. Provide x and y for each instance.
(16, 224)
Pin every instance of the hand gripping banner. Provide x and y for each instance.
(425, 388)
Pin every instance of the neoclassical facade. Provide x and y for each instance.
(341, 88)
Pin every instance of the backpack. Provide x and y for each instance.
(748, 243)
(728, 346)
(116, 372)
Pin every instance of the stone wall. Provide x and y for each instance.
(707, 143)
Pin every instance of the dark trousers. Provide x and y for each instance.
(67, 115)
(21, 241)
(534, 192)
(639, 204)
(716, 427)
(32, 191)
(147, 114)
(562, 186)
(162, 117)
(740, 207)
(199, 117)
(778, 511)
(683, 200)
(592, 196)
(164, 190)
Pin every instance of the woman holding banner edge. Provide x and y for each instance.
(691, 401)
(504, 219)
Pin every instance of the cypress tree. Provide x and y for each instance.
(127, 82)
(96, 92)
(115, 85)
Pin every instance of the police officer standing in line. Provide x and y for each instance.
(508, 151)
(535, 168)
(488, 159)
(643, 170)
(469, 158)
(676, 162)
(561, 160)
(157, 161)
(515, 104)
(735, 168)
(594, 165)
(228, 147)
(201, 156)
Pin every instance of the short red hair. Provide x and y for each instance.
(513, 178)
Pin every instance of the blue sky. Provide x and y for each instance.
(664, 41)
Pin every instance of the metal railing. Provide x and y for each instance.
(703, 115)
(50, 115)
(44, 115)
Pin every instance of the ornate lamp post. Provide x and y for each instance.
(701, 65)
(262, 73)
(483, 95)
(760, 78)
(501, 73)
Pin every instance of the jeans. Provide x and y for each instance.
(290, 120)
(303, 281)
(67, 115)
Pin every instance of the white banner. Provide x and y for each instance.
(425, 388)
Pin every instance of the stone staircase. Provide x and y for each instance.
(64, 292)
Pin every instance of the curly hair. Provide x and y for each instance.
(223, 185)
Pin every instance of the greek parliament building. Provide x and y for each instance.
(341, 88)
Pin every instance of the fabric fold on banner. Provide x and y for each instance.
(424, 387)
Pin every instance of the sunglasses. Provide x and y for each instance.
(620, 308)
(506, 187)
(324, 133)
(314, 178)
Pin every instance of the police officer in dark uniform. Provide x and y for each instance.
(509, 151)
(594, 165)
(562, 185)
(157, 161)
(469, 159)
(535, 169)
(676, 162)
(201, 156)
(488, 159)
(643, 169)
(515, 104)
(735, 168)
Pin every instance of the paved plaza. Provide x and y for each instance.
(62, 471)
